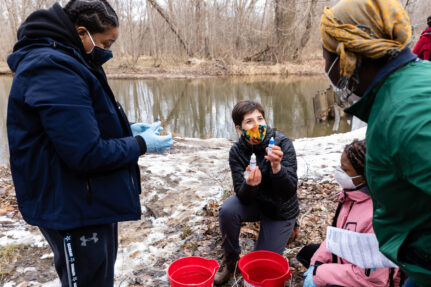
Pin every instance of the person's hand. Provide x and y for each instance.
(154, 141)
(308, 281)
(138, 128)
(275, 158)
(255, 176)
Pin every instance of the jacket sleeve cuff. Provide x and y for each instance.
(280, 174)
(247, 192)
(316, 264)
(142, 145)
(250, 188)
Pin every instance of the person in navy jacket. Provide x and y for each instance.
(73, 153)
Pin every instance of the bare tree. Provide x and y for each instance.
(225, 30)
(12, 13)
(171, 25)
(284, 20)
(307, 31)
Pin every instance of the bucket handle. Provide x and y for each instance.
(235, 283)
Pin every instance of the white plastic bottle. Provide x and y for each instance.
(270, 145)
(252, 162)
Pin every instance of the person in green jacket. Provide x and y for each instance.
(367, 60)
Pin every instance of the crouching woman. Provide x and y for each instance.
(267, 193)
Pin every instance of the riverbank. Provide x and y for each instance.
(193, 68)
(182, 191)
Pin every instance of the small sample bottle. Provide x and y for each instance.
(252, 162)
(270, 145)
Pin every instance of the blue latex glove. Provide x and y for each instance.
(138, 128)
(154, 141)
(308, 281)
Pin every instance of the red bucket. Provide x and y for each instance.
(264, 269)
(192, 271)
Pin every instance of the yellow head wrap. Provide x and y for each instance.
(372, 28)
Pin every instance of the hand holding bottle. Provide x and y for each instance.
(138, 128)
(154, 141)
(275, 158)
(255, 176)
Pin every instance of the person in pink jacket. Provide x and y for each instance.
(354, 213)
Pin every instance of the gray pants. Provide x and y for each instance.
(273, 234)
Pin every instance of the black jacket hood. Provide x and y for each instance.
(51, 23)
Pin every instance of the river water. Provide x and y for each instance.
(201, 108)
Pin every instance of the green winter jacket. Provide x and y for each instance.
(397, 107)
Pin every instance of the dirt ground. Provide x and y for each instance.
(317, 204)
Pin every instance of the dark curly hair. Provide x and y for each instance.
(356, 153)
(429, 21)
(95, 15)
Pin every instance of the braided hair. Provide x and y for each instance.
(95, 15)
(356, 153)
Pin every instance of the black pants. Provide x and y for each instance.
(273, 234)
(94, 249)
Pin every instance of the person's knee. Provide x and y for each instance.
(228, 212)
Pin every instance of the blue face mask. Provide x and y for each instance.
(99, 56)
(344, 94)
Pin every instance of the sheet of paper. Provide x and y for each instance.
(361, 249)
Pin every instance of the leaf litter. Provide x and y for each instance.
(182, 192)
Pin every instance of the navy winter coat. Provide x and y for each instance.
(72, 154)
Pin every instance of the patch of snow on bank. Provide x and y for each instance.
(318, 157)
(22, 236)
(177, 185)
(175, 188)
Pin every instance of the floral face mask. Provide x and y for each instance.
(256, 134)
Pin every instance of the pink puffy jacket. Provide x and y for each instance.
(356, 214)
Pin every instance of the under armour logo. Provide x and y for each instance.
(85, 240)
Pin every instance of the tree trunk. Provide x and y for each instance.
(243, 12)
(285, 12)
(12, 16)
(262, 25)
(306, 35)
(171, 26)
(198, 20)
(407, 4)
(153, 46)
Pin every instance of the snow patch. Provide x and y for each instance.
(175, 188)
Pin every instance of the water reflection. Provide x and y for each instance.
(201, 108)
(5, 84)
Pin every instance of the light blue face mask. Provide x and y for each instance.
(334, 87)
(343, 94)
(99, 56)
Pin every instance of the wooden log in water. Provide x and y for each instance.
(324, 103)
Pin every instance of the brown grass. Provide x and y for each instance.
(148, 68)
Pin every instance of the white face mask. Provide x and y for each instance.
(342, 94)
(334, 87)
(344, 180)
